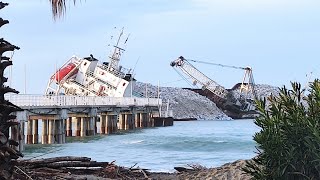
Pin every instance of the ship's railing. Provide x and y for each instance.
(66, 101)
(115, 72)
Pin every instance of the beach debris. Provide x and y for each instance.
(71, 167)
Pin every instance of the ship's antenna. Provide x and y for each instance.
(115, 58)
(135, 65)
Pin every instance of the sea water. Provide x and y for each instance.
(208, 143)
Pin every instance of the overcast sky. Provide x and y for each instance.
(279, 39)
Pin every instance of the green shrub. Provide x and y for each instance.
(289, 140)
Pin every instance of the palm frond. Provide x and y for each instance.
(58, 8)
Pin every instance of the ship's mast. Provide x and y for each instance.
(115, 58)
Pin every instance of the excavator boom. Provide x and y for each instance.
(199, 77)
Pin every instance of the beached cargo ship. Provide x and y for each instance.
(88, 77)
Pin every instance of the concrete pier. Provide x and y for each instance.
(62, 123)
(58, 115)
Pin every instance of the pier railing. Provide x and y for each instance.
(45, 100)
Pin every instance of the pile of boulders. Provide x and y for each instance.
(183, 103)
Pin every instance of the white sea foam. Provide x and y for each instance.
(134, 142)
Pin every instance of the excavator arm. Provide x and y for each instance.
(199, 77)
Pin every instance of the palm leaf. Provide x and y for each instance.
(59, 8)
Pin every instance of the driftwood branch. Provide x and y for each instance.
(56, 159)
(76, 164)
(23, 172)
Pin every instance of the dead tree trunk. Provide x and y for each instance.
(7, 154)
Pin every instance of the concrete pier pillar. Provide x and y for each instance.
(78, 126)
(35, 132)
(142, 120)
(69, 127)
(29, 132)
(126, 122)
(103, 124)
(96, 125)
(151, 120)
(83, 127)
(44, 139)
(22, 137)
(58, 130)
(51, 131)
(92, 126)
(133, 121)
(122, 121)
(63, 130)
(130, 121)
(87, 125)
(137, 120)
(108, 125)
(147, 119)
(114, 123)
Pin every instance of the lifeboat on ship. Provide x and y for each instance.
(62, 73)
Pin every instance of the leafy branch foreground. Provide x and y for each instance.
(289, 140)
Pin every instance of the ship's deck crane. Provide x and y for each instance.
(224, 98)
